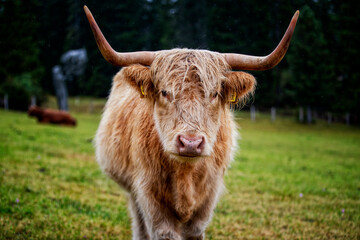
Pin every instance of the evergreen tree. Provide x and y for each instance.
(19, 43)
(253, 27)
(345, 22)
(73, 35)
(321, 66)
(191, 24)
(53, 32)
(20, 68)
(123, 24)
(309, 62)
(160, 24)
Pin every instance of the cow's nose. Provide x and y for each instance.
(190, 146)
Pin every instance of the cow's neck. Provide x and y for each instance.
(184, 191)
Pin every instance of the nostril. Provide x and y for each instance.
(180, 142)
(201, 143)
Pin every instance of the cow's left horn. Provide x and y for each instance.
(110, 55)
(247, 62)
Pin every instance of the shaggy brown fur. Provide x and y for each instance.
(187, 92)
(51, 116)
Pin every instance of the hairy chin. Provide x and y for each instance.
(185, 159)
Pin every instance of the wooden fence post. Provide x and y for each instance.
(252, 113)
(77, 101)
(301, 114)
(91, 107)
(273, 114)
(329, 118)
(347, 118)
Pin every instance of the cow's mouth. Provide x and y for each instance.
(186, 157)
(189, 155)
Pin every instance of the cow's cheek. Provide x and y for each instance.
(212, 124)
(165, 123)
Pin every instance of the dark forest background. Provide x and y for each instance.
(321, 69)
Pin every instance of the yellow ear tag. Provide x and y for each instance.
(233, 97)
(142, 90)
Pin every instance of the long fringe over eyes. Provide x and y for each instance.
(174, 66)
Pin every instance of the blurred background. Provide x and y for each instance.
(289, 180)
(319, 74)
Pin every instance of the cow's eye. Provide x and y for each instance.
(166, 95)
(213, 96)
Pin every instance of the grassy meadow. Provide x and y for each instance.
(288, 181)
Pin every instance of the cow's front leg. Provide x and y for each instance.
(163, 225)
(199, 237)
(194, 229)
(138, 224)
(159, 221)
(164, 232)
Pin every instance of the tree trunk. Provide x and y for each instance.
(308, 115)
(6, 102)
(60, 88)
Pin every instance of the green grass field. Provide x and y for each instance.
(288, 181)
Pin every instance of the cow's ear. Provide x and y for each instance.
(238, 86)
(140, 78)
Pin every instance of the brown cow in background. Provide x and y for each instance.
(167, 134)
(51, 116)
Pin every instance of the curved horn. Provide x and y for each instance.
(110, 55)
(247, 62)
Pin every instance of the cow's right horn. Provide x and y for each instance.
(110, 55)
(248, 62)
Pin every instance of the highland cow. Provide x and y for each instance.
(167, 135)
(51, 116)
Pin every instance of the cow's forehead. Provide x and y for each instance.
(178, 68)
